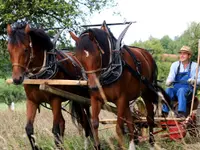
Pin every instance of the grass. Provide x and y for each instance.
(18, 106)
(13, 137)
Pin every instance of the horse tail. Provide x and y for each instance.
(81, 116)
(155, 73)
(164, 96)
(160, 91)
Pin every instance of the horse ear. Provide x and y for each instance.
(74, 37)
(103, 28)
(9, 29)
(27, 29)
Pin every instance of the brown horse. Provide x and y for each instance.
(29, 51)
(138, 78)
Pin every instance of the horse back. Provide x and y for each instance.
(144, 58)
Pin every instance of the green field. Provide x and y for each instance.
(13, 136)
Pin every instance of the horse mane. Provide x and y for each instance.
(100, 36)
(17, 35)
(38, 36)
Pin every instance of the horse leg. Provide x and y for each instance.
(62, 126)
(96, 107)
(129, 121)
(121, 112)
(150, 117)
(58, 122)
(87, 126)
(31, 109)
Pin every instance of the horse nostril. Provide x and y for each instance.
(18, 81)
(21, 78)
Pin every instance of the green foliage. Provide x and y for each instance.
(48, 14)
(168, 44)
(11, 93)
(157, 47)
(190, 37)
(163, 70)
(153, 45)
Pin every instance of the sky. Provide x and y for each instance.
(154, 18)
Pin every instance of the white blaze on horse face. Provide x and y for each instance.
(86, 53)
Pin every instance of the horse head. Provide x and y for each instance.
(93, 52)
(19, 48)
(24, 44)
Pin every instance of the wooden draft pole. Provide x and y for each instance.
(65, 94)
(71, 96)
(196, 76)
(51, 82)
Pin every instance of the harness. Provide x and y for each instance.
(48, 70)
(137, 73)
(64, 57)
(178, 69)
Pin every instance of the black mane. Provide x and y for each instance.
(38, 37)
(101, 37)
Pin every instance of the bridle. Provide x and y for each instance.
(30, 58)
(101, 52)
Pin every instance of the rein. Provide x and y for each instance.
(42, 68)
(30, 58)
(101, 51)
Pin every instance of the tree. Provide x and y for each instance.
(190, 37)
(167, 44)
(153, 45)
(48, 14)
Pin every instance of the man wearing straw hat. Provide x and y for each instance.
(182, 77)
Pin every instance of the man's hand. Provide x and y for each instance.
(168, 83)
(191, 81)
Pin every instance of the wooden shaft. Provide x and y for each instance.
(142, 119)
(65, 94)
(71, 96)
(196, 77)
(51, 82)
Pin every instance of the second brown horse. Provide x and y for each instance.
(139, 78)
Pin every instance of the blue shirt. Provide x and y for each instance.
(174, 68)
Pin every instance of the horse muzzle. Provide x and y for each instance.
(18, 80)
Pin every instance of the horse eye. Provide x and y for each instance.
(26, 50)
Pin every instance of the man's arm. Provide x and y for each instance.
(193, 74)
(172, 73)
(198, 79)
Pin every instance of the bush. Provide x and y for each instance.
(11, 93)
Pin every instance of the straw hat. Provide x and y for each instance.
(186, 49)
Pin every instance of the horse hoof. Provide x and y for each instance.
(97, 147)
(37, 148)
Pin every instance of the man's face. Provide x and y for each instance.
(184, 56)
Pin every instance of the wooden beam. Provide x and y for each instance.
(142, 119)
(51, 82)
(65, 94)
(74, 97)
